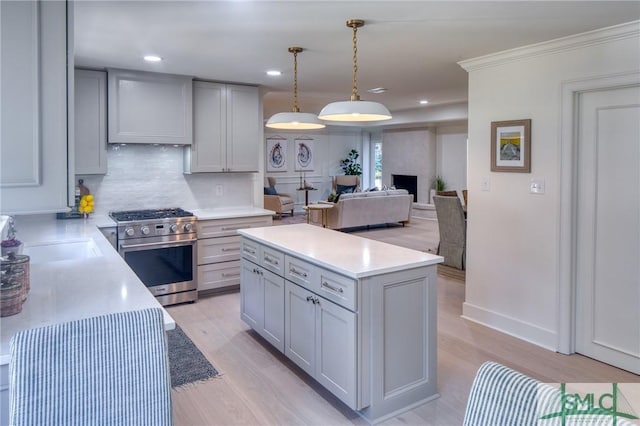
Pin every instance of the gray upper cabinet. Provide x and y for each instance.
(90, 122)
(36, 126)
(226, 129)
(149, 108)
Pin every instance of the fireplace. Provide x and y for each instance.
(410, 183)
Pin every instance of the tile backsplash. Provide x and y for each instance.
(148, 176)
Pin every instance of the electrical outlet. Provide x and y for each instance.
(219, 190)
(536, 186)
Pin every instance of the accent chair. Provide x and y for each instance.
(453, 230)
(277, 201)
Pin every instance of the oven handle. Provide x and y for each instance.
(158, 245)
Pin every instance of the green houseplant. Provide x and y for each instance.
(350, 165)
(440, 185)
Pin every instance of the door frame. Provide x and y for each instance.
(567, 235)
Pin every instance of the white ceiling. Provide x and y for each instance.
(409, 47)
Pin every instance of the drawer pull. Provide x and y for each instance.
(330, 287)
(268, 259)
(230, 249)
(250, 251)
(294, 271)
(232, 228)
(226, 275)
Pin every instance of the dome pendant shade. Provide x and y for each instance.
(355, 110)
(295, 120)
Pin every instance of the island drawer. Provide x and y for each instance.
(337, 288)
(301, 272)
(225, 227)
(272, 260)
(223, 249)
(250, 250)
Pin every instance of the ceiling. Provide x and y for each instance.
(410, 48)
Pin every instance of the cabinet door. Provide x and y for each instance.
(251, 296)
(243, 128)
(209, 150)
(35, 86)
(149, 108)
(90, 122)
(299, 327)
(273, 326)
(336, 350)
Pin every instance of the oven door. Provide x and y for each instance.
(163, 267)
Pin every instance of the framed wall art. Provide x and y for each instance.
(304, 155)
(511, 146)
(276, 155)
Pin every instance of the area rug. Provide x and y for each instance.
(186, 362)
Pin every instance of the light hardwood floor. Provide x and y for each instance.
(259, 386)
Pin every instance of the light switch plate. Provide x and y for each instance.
(485, 184)
(536, 186)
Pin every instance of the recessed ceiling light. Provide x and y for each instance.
(424, 102)
(274, 73)
(152, 58)
(377, 90)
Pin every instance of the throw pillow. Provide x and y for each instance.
(270, 190)
(344, 189)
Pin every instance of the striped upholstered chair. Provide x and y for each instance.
(501, 396)
(106, 370)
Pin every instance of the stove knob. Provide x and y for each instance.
(144, 230)
(187, 227)
(173, 227)
(129, 231)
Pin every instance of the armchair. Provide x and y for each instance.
(453, 231)
(348, 180)
(275, 201)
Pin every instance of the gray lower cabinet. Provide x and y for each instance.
(320, 338)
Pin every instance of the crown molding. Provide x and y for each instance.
(572, 42)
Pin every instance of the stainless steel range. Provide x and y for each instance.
(160, 246)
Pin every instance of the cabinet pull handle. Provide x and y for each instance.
(310, 299)
(330, 287)
(246, 250)
(268, 259)
(316, 301)
(225, 275)
(231, 228)
(230, 248)
(298, 273)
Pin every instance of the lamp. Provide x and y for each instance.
(355, 109)
(295, 120)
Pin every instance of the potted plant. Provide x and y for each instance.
(11, 244)
(350, 165)
(440, 184)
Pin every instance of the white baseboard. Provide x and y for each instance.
(531, 333)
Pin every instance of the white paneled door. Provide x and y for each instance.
(608, 227)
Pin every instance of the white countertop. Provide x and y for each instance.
(72, 289)
(231, 212)
(346, 254)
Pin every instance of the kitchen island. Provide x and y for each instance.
(359, 316)
(75, 273)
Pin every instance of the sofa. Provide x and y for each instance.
(370, 208)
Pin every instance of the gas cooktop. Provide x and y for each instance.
(150, 214)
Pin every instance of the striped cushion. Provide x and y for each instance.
(503, 397)
(106, 370)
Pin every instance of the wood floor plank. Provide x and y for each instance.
(259, 386)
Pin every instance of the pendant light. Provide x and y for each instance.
(295, 120)
(355, 109)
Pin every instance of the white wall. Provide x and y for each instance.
(512, 280)
(147, 176)
(329, 147)
(451, 162)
